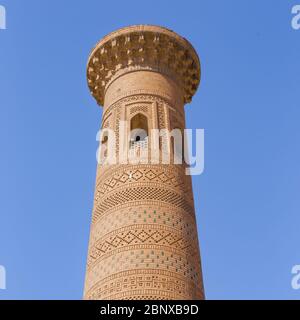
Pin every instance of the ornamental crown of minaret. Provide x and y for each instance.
(143, 47)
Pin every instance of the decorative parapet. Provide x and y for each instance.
(143, 47)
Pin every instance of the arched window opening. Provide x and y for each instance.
(104, 147)
(139, 131)
(104, 140)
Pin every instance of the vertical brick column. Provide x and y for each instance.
(143, 242)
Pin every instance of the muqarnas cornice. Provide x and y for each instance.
(143, 47)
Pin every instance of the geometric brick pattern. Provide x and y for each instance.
(134, 235)
(142, 193)
(142, 173)
(130, 285)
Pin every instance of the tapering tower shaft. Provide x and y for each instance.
(143, 242)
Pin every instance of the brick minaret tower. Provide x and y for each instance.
(143, 242)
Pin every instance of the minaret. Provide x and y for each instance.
(143, 242)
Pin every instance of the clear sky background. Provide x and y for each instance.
(248, 198)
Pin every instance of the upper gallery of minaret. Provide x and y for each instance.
(143, 47)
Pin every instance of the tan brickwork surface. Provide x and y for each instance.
(143, 242)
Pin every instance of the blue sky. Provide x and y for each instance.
(247, 199)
